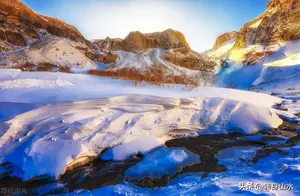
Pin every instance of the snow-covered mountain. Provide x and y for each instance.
(265, 53)
(168, 49)
(35, 42)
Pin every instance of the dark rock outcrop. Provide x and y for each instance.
(15, 38)
(109, 44)
(108, 58)
(189, 60)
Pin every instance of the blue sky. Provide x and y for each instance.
(201, 21)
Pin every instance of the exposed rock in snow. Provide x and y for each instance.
(27, 37)
(241, 173)
(150, 58)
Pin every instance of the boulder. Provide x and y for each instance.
(15, 38)
(107, 58)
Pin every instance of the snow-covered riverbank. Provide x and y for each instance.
(58, 119)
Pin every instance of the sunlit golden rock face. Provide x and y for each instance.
(136, 41)
(224, 38)
(107, 58)
(176, 49)
(280, 22)
(189, 60)
(19, 23)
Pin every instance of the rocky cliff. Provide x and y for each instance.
(268, 49)
(175, 49)
(224, 38)
(19, 24)
(39, 43)
(136, 41)
(279, 23)
(30, 37)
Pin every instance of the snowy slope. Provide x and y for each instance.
(53, 50)
(276, 73)
(146, 59)
(223, 50)
(82, 87)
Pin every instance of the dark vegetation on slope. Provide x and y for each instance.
(154, 75)
(45, 67)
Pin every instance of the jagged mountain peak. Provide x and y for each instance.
(279, 23)
(137, 41)
(17, 16)
(168, 48)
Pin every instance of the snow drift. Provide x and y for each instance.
(47, 139)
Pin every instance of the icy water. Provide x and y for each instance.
(206, 164)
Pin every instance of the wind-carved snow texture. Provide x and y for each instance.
(47, 139)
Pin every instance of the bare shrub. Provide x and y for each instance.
(254, 57)
(154, 75)
(46, 67)
(65, 69)
(28, 67)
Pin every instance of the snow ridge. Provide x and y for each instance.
(130, 123)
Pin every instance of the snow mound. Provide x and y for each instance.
(45, 140)
(162, 161)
